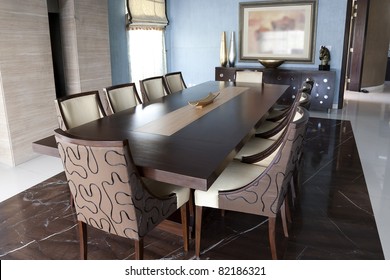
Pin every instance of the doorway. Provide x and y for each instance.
(356, 44)
(56, 50)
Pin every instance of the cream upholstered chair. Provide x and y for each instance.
(244, 76)
(254, 188)
(279, 111)
(175, 82)
(110, 194)
(258, 149)
(122, 97)
(78, 109)
(305, 100)
(153, 88)
(272, 127)
(270, 134)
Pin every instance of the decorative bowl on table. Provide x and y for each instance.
(271, 63)
(204, 101)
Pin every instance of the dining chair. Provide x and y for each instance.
(254, 188)
(305, 100)
(310, 81)
(271, 128)
(122, 97)
(175, 82)
(261, 150)
(278, 111)
(245, 76)
(153, 88)
(77, 109)
(263, 144)
(109, 193)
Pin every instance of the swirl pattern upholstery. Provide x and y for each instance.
(257, 188)
(109, 194)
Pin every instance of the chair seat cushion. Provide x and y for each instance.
(162, 189)
(266, 126)
(235, 176)
(275, 113)
(254, 146)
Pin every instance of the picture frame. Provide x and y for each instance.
(278, 30)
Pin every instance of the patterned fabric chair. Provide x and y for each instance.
(77, 109)
(262, 150)
(109, 194)
(175, 82)
(122, 97)
(255, 188)
(153, 88)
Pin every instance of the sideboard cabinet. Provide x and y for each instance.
(322, 92)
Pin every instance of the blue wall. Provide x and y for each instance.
(118, 42)
(195, 26)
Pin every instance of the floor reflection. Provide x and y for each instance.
(333, 218)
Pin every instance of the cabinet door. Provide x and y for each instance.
(224, 74)
(284, 77)
(323, 91)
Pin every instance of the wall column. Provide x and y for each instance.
(27, 87)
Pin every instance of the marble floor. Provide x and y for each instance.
(343, 211)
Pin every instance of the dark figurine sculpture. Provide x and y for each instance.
(325, 58)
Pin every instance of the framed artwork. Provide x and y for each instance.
(278, 30)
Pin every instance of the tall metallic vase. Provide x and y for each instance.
(223, 50)
(232, 50)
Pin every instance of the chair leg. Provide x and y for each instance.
(83, 240)
(271, 235)
(191, 222)
(283, 211)
(292, 187)
(184, 225)
(288, 211)
(139, 249)
(71, 201)
(198, 227)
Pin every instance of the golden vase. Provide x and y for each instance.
(223, 50)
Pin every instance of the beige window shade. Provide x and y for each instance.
(145, 14)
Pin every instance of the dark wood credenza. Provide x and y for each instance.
(322, 93)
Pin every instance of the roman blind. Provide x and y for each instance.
(147, 14)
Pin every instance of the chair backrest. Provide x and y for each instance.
(107, 190)
(122, 97)
(309, 81)
(307, 87)
(265, 194)
(285, 118)
(244, 76)
(78, 109)
(305, 100)
(153, 88)
(175, 82)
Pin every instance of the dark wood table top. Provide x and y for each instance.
(195, 155)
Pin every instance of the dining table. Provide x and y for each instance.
(174, 141)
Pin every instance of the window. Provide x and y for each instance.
(147, 53)
(146, 38)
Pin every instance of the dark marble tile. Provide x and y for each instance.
(332, 218)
